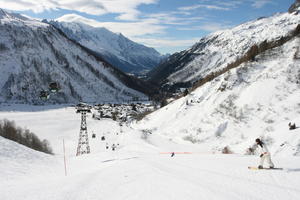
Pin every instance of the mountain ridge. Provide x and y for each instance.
(218, 50)
(116, 49)
(42, 54)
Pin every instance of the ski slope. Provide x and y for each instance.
(140, 168)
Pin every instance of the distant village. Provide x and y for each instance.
(122, 112)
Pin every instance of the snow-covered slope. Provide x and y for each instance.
(218, 50)
(257, 99)
(121, 52)
(34, 54)
(19, 161)
(140, 168)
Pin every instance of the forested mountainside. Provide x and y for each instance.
(35, 55)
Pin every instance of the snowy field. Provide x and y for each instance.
(140, 168)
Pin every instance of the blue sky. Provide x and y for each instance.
(166, 25)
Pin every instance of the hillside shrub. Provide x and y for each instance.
(227, 150)
(9, 130)
(3, 47)
(163, 103)
(250, 151)
(141, 115)
(191, 139)
(145, 134)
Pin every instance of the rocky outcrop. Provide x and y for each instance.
(295, 7)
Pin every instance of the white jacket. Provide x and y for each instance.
(263, 149)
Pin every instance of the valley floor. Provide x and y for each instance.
(140, 168)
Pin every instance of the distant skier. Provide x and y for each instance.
(106, 146)
(172, 154)
(264, 155)
(292, 126)
(113, 147)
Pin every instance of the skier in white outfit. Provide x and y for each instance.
(264, 154)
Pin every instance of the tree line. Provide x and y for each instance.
(9, 130)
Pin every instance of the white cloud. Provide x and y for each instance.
(260, 3)
(166, 42)
(129, 29)
(209, 27)
(210, 7)
(226, 5)
(127, 9)
(136, 31)
(215, 5)
(171, 18)
(230, 4)
(148, 24)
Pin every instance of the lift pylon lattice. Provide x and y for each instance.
(83, 142)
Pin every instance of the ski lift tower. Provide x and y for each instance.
(83, 142)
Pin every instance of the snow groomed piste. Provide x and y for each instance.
(139, 168)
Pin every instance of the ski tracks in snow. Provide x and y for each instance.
(230, 183)
(136, 176)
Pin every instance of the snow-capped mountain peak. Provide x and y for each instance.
(117, 49)
(75, 18)
(19, 20)
(35, 54)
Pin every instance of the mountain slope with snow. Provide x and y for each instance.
(22, 161)
(257, 99)
(35, 54)
(222, 49)
(121, 52)
(140, 168)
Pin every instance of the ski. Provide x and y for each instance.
(256, 168)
